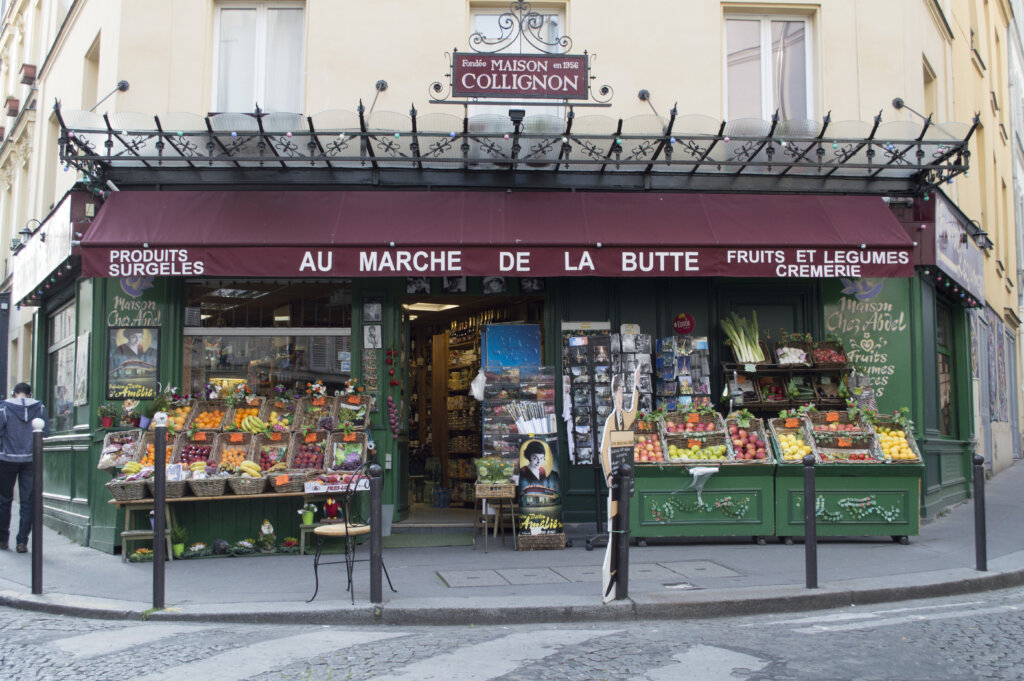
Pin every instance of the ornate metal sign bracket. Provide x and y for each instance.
(547, 75)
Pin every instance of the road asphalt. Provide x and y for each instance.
(693, 578)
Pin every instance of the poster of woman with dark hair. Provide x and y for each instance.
(540, 499)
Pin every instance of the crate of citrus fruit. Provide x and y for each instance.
(791, 438)
(207, 415)
(896, 440)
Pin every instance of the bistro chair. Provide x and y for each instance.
(347, 528)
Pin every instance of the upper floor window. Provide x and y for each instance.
(768, 67)
(258, 56)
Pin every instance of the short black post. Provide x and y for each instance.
(376, 533)
(810, 524)
(980, 544)
(37, 506)
(159, 506)
(622, 533)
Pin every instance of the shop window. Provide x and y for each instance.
(258, 56)
(61, 367)
(768, 67)
(947, 377)
(267, 333)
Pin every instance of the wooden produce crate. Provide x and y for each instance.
(841, 417)
(343, 411)
(309, 414)
(260, 405)
(883, 422)
(825, 360)
(148, 439)
(769, 358)
(756, 427)
(338, 438)
(225, 441)
(541, 542)
(854, 448)
(746, 386)
(208, 406)
(203, 438)
(784, 359)
(277, 449)
(298, 440)
(773, 390)
(125, 438)
(285, 409)
(796, 425)
(826, 388)
(680, 419)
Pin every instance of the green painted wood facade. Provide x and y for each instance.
(77, 501)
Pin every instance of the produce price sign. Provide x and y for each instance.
(545, 261)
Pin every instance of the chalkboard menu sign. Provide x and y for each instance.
(622, 443)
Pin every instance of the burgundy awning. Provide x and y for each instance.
(539, 234)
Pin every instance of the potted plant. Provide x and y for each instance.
(108, 413)
(178, 537)
(307, 512)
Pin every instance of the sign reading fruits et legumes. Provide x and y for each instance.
(236, 260)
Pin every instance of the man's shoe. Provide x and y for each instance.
(22, 548)
(4, 546)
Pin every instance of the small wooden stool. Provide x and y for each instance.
(504, 495)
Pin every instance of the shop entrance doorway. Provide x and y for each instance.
(445, 425)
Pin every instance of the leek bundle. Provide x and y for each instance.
(743, 337)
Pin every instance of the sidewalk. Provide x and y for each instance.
(457, 585)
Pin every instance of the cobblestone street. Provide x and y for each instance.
(968, 637)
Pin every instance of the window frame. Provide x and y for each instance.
(262, 8)
(53, 348)
(766, 20)
(945, 309)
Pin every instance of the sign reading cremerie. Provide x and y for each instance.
(547, 76)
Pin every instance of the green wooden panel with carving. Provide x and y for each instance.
(853, 507)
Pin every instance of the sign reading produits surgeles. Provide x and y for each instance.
(478, 261)
(554, 76)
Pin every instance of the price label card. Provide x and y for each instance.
(826, 380)
(281, 480)
(832, 416)
(235, 437)
(276, 437)
(750, 367)
(199, 437)
(693, 443)
(792, 423)
(311, 437)
(693, 417)
(845, 442)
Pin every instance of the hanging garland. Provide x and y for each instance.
(666, 510)
(854, 508)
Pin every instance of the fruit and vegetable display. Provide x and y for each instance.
(248, 469)
(118, 450)
(895, 444)
(800, 389)
(748, 445)
(743, 336)
(241, 413)
(771, 389)
(647, 449)
(828, 355)
(253, 424)
(348, 456)
(191, 453)
(283, 418)
(273, 457)
(150, 455)
(697, 453)
(794, 448)
(232, 457)
(176, 417)
(791, 356)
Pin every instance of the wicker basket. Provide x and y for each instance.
(777, 427)
(680, 418)
(821, 418)
(798, 345)
(830, 345)
(208, 487)
(343, 413)
(707, 439)
(173, 489)
(148, 439)
(128, 490)
(224, 440)
(832, 394)
(289, 407)
(306, 416)
(133, 434)
(498, 491)
(247, 486)
(337, 437)
(763, 384)
(755, 426)
(752, 396)
(541, 542)
(183, 439)
(284, 442)
(261, 406)
(201, 406)
(881, 421)
(296, 481)
(299, 439)
(769, 358)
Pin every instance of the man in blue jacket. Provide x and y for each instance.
(16, 416)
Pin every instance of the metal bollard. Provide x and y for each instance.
(376, 533)
(980, 543)
(622, 533)
(810, 525)
(159, 506)
(37, 506)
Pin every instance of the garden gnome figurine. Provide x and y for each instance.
(266, 529)
(331, 509)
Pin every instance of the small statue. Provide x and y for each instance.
(266, 528)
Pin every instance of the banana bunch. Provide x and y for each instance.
(250, 468)
(197, 466)
(131, 468)
(254, 424)
(279, 466)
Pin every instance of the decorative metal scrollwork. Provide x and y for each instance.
(520, 22)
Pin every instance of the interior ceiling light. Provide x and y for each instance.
(429, 307)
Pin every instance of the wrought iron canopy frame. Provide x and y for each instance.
(566, 159)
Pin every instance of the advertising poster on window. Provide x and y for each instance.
(540, 498)
(82, 370)
(132, 363)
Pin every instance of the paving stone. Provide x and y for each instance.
(532, 576)
(696, 569)
(463, 578)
